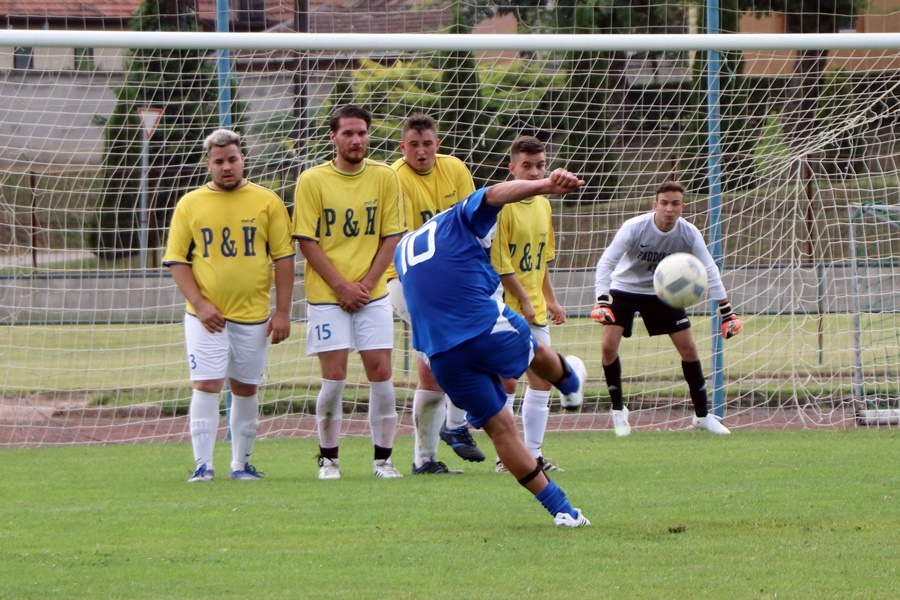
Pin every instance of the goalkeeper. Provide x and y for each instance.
(624, 286)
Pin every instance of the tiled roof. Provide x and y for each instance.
(325, 16)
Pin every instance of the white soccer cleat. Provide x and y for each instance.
(711, 424)
(385, 469)
(329, 468)
(564, 519)
(573, 401)
(620, 422)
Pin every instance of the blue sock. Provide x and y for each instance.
(554, 500)
(570, 384)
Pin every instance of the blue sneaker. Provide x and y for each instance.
(249, 472)
(202, 474)
(462, 443)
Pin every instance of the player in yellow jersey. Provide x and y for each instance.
(522, 251)
(431, 183)
(223, 241)
(348, 219)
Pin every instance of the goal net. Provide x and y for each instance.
(801, 208)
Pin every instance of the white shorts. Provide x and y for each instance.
(238, 352)
(542, 333)
(398, 300)
(330, 327)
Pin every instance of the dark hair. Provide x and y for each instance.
(669, 186)
(349, 111)
(419, 122)
(526, 144)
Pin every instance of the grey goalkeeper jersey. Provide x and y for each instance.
(630, 260)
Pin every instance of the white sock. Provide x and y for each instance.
(204, 419)
(510, 402)
(244, 422)
(330, 412)
(428, 416)
(382, 413)
(456, 416)
(535, 410)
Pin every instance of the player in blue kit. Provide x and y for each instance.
(472, 338)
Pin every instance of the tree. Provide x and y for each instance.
(180, 82)
(800, 117)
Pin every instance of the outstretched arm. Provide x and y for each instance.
(560, 181)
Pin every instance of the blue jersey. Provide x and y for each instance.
(452, 291)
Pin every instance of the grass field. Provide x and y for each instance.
(759, 514)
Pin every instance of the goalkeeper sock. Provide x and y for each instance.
(244, 423)
(613, 374)
(554, 500)
(535, 410)
(204, 420)
(693, 374)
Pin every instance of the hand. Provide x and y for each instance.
(209, 316)
(731, 325)
(528, 313)
(603, 312)
(557, 313)
(279, 327)
(353, 296)
(563, 182)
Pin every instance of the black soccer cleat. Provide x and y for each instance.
(462, 443)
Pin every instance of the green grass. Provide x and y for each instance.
(121, 357)
(759, 514)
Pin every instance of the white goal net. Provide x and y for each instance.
(802, 215)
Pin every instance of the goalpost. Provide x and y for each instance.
(91, 349)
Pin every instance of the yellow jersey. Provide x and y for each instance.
(230, 240)
(347, 214)
(427, 194)
(522, 247)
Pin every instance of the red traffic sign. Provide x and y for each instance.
(150, 118)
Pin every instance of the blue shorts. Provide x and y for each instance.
(470, 372)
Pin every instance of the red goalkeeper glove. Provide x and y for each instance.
(603, 313)
(731, 325)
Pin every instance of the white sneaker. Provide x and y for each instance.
(499, 467)
(329, 468)
(386, 469)
(711, 424)
(573, 401)
(620, 422)
(564, 519)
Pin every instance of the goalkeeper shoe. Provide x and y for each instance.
(620, 422)
(248, 473)
(203, 473)
(329, 468)
(462, 443)
(384, 468)
(711, 424)
(564, 519)
(434, 467)
(500, 467)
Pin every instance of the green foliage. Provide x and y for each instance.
(758, 514)
(180, 82)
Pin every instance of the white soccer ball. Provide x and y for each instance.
(680, 280)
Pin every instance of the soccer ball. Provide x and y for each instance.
(680, 280)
